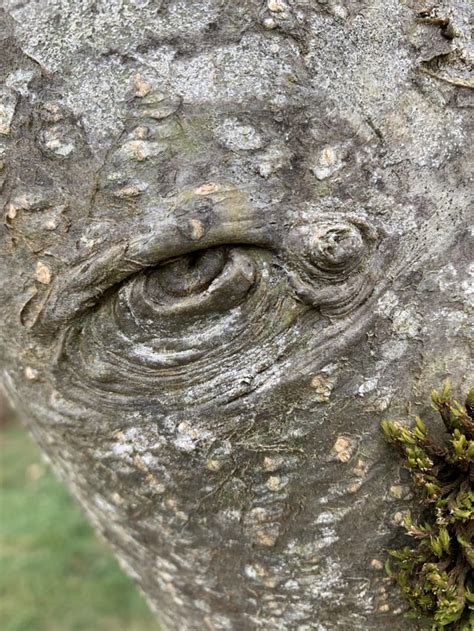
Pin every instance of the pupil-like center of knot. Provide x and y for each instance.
(189, 274)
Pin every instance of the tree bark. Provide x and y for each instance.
(235, 238)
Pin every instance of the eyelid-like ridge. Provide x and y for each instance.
(82, 285)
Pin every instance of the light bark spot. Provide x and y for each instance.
(213, 465)
(207, 189)
(197, 230)
(343, 449)
(276, 6)
(141, 87)
(31, 373)
(275, 483)
(322, 387)
(43, 273)
(376, 564)
(326, 164)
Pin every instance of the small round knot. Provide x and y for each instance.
(336, 247)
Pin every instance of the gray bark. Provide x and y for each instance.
(235, 238)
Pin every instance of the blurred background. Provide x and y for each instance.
(55, 575)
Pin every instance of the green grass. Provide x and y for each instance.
(55, 575)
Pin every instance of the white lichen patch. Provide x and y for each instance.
(453, 322)
(35, 198)
(325, 537)
(254, 571)
(339, 11)
(238, 73)
(272, 160)
(406, 323)
(8, 101)
(229, 517)
(51, 224)
(20, 79)
(55, 143)
(269, 23)
(387, 303)
(188, 437)
(238, 136)
(368, 386)
(418, 134)
(122, 449)
(326, 517)
(394, 350)
(326, 585)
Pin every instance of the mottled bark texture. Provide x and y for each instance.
(235, 238)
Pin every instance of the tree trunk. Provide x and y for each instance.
(235, 239)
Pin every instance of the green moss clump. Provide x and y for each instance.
(436, 573)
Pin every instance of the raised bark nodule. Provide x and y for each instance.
(235, 238)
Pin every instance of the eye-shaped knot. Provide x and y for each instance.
(335, 262)
(207, 282)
